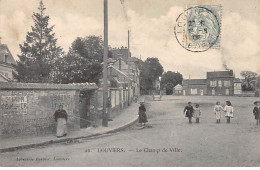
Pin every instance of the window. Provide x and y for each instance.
(227, 83)
(213, 83)
(6, 56)
(219, 83)
(193, 91)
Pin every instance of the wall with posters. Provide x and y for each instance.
(27, 109)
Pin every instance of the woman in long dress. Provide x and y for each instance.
(229, 111)
(61, 117)
(142, 114)
(218, 110)
(256, 111)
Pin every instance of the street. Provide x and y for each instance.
(167, 140)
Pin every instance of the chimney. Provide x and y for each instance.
(120, 63)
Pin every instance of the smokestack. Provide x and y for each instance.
(120, 63)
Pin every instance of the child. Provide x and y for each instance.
(229, 111)
(256, 111)
(217, 110)
(142, 115)
(188, 110)
(197, 113)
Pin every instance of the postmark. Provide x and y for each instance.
(198, 28)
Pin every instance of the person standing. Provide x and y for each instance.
(61, 118)
(218, 110)
(142, 114)
(197, 113)
(256, 111)
(188, 111)
(229, 111)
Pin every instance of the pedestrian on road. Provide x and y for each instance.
(256, 111)
(229, 111)
(188, 111)
(218, 110)
(142, 114)
(61, 118)
(197, 113)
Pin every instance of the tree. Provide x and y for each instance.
(150, 72)
(250, 82)
(82, 63)
(169, 80)
(39, 51)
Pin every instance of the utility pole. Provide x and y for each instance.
(128, 70)
(105, 88)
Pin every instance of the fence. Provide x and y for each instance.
(118, 98)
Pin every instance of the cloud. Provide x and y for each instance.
(151, 37)
(13, 30)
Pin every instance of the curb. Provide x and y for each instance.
(11, 149)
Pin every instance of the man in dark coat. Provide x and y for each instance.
(256, 111)
(188, 110)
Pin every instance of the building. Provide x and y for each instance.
(237, 87)
(220, 83)
(178, 90)
(194, 87)
(7, 64)
(120, 53)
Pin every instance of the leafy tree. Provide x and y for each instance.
(39, 51)
(250, 82)
(169, 80)
(150, 72)
(82, 63)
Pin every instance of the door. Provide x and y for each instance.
(201, 92)
(183, 92)
(227, 92)
(213, 92)
(84, 111)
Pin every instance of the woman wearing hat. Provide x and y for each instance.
(142, 114)
(256, 111)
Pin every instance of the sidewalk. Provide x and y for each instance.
(127, 117)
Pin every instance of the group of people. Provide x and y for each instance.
(228, 109)
(61, 115)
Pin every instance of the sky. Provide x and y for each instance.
(151, 24)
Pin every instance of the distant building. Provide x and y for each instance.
(194, 87)
(237, 87)
(220, 83)
(7, 63)
(178, 90)
(120, 53)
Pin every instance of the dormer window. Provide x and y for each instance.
(6, 56)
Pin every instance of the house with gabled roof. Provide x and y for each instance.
(7, 64)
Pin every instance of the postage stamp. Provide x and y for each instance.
(198, 28)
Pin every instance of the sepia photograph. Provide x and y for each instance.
(129, 83)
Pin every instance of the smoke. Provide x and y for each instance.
(224, 59)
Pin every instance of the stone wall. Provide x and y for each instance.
(28, 110)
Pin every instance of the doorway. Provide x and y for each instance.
(84, 110)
